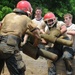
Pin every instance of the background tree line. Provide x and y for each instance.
(59, 7)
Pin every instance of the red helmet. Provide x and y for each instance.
(25, 6)
(50, 19)
(49, 15)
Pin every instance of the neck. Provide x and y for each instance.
(38, 18)
(69, 24)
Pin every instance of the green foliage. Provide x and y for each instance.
(59, 7)
(5, 10)
(1, 15)
(6, 6)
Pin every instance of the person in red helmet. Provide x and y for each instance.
(25, 6)
(52, 22)
(57, 48)
(50, 17)
(14, 26)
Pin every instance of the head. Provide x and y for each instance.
(38, 11)
(68, 18)
(25, 6)
(50, 19)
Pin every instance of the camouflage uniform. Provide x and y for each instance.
(14, 25)
(58, 49)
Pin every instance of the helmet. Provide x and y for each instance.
(50, 19)
(25, 6)
(49, 16)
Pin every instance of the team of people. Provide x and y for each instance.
(54, 37)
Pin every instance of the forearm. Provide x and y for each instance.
(25, 38)
(71, 32)
(63, 29)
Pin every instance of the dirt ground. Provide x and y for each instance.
(33, 67)
(39, 66)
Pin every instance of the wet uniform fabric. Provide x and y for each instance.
(13, 28)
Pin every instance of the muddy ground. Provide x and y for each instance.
(33, 67)
(39, 66)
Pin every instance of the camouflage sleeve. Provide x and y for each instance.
(60, 24)
(31, 25)
(43, 25)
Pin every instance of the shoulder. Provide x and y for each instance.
(10, 14)
(32, 23)
(60, 22)
(33, 19)
(73, 26)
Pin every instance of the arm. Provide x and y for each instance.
(71, 32)
(63, 29)
(25, 39)
(54, 37)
